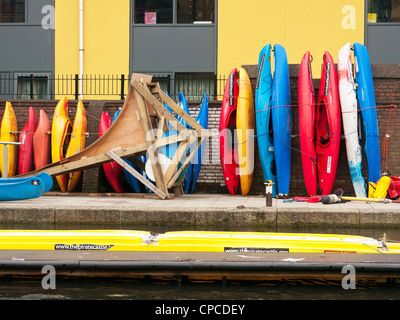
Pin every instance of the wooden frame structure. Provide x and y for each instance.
(140, 128)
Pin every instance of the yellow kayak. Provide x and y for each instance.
(245, 124)
(9, 129)
(60, 129)
(77, 142)
(193, 241)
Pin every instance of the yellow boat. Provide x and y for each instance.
(77, 142)
(60, 129)
(193, 241)
(245, 124)
(9, 130)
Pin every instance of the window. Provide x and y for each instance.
(153, 11)
(196, 11)
(174, 11)
(383, 11)
(12, 11)
(40, 88)
(192, 85)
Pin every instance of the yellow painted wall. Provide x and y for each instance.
(106, 38)
(299, 25)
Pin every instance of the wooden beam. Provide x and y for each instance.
(137, 175)
(148, 132)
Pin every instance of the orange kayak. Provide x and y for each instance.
(41, 142)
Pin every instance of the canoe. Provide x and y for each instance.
(193, 241)
(202, 119)
(263, 100)
(306, 97)
(112, 170)
(25, 188)
(246, 125)
(281, 120)
(25, 154)
(366, 99)
(328, 125)
(60, 130)
(77, 142)
(348, 102)
(132, 181)
(228, 149)
(189, 169)
(42, 142)
(9, 128)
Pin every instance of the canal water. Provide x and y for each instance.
(122, 289)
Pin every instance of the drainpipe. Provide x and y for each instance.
(81, 48)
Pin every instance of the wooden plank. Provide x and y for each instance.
(137, 175)
(186, 162)
(68, 165)
(152, 152)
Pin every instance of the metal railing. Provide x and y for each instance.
(108, 87)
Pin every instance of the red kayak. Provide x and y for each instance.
(41, 142)
(307, 124)
(25, 155)
(112, 169)
(328, 124)
(227, 136)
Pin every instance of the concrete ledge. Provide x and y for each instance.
(199, 210)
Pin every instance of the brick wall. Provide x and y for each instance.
(387, 91)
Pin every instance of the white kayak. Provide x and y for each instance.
(348, 101)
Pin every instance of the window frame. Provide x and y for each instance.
(175, 18)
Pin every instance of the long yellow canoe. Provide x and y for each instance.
(61, 126)
(245, 124)
(193, 241)
(77, 142)
(9, 130)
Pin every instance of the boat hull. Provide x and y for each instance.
(25, 154)
(282, 120)
(42, 142)
(60, 130)
(348, 102)
(328, 126)
(228, 148)
(263, 101)
(192, 241)
(306, 96)
(9, 130)
(245, 121)
(77, 142)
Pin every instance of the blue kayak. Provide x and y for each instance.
(188, 174)
(202, 119)
(25, 188)
(263, 102)
(281, 119)
(366, 99)
(133, 182)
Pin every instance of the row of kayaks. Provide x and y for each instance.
(268, 117)
(44, 142)
(193, 241)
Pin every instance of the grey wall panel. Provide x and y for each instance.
(26, 49)
(174, 48)
(383, 42)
